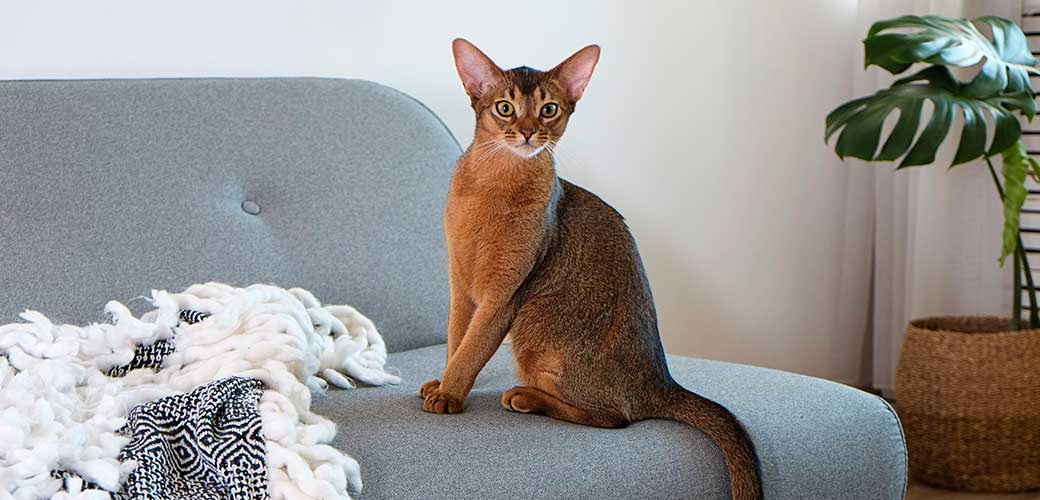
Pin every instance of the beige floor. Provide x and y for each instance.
(921, 492)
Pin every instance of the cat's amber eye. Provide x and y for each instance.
(504, 108)
(550, 109)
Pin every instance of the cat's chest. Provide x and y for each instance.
(481, 221)
(494, 217)
(487, 232)
(490, 245)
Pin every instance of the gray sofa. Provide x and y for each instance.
(111, 187)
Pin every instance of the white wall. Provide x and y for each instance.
(703, 125)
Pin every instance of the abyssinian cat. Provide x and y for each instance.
(549, 263)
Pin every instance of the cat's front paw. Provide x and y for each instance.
(429, 387)
(437, 401)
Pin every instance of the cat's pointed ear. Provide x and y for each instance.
(477, 71)
(574, 73)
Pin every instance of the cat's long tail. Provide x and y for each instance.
(724, 429)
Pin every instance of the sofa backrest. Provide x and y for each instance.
(109, 188)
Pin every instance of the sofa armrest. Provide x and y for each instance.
(815, 439)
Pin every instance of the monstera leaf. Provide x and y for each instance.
(861, 120)
(1006, 61)
(1017, 165)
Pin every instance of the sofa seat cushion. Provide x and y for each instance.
(815, 439)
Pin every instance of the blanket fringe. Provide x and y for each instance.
(60, 410)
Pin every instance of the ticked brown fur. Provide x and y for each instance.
(553, 266)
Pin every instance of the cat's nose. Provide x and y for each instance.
(527, 133)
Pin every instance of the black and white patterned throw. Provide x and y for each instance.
(207, 444)
(152, 355)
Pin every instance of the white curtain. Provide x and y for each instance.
(936, 231)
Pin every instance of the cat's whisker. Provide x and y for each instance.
(490, 149)
(485, 150)
(563, 158)
(482, 146)
(551, 147)
(495, 147)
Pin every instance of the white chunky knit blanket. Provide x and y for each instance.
(65, 420)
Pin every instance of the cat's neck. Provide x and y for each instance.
(492, 166)
(500, 176)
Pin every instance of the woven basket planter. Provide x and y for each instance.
(968, 395)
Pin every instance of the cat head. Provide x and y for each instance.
(522, 110)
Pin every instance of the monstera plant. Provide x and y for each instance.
(989, 104)
(960, 375)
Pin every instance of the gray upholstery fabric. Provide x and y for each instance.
(108, 187)
(816, 440)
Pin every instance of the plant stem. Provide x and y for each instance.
(1034, 313)
(1021, 261)
(1016, 298)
